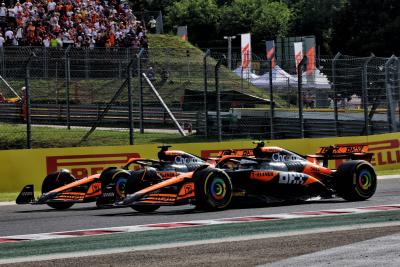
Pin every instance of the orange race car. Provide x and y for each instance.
(268, 173)
(61, 190)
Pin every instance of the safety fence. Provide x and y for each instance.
(114, 89)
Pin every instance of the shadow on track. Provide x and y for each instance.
(235, 206)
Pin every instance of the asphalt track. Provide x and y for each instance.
(29, 219)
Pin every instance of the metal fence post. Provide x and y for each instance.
(67, 82)
(335, 95)
(365, 95)
(188, 63)
(3, 71)
(28, 103)
(205, 92)
(398, 88)
(271, 101)
(389, 96)
(86, 63)
(302, 63)
(140, 90)
(217, 92)
(130, 103)
(46, 62)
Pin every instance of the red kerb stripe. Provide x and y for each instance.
(173, 225)
(322, 212)
(250, 219)
(9, 240)
(381, 208)
(88, 232)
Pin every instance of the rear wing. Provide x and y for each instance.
(353, 152)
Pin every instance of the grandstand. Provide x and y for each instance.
(71, 22)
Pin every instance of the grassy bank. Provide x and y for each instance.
(14, 137)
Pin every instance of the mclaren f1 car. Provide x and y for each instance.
(268, 173)
(61, 190)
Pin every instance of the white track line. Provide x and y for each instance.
(198, 223)
(193, 243)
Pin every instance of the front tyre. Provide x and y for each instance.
(356, 180)
(213, 189)
(55, 180)
(136, 183)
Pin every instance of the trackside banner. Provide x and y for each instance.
(21, 167)
(246, 52)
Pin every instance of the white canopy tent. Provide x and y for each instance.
(282, 79)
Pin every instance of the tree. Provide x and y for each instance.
(265, 19)
(151, 5)
(201, 17)
(368, 26)
(316, 17)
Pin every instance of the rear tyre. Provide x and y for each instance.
(134, 184)
(213, 189)
(356, 180)
(55, 180)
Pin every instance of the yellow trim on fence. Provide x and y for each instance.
(21, 167)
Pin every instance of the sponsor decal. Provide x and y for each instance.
(246, 51)
(186, 161)
(386, 152)
(262, 174)
(84, 165)
(292, 178)
(94, 189)
(71, 196)
(167, 175)
(161, 197)
(245, 152)
(283, 158)
(187, 190)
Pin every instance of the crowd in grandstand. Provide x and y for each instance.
(81, 23)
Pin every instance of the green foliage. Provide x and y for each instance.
(316, 17)
(211, 20)
(201, 17)
(266, 19)
(368, 26)
(150, 5)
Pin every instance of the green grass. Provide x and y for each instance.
(12, 196)
(14, 137)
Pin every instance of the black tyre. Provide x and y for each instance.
(356, 180)
(55, 180)
(117, 178)
(213, 189)
(136, 183)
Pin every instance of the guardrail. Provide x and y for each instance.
(84, 115)
(156, 117)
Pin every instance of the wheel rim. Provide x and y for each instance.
(120, 188)
(364, 180)
(218, 189)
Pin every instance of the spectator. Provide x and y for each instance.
(9, 36)
(151, 74)
(152, 25)
(81, 23)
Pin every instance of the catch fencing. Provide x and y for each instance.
(91, 90)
